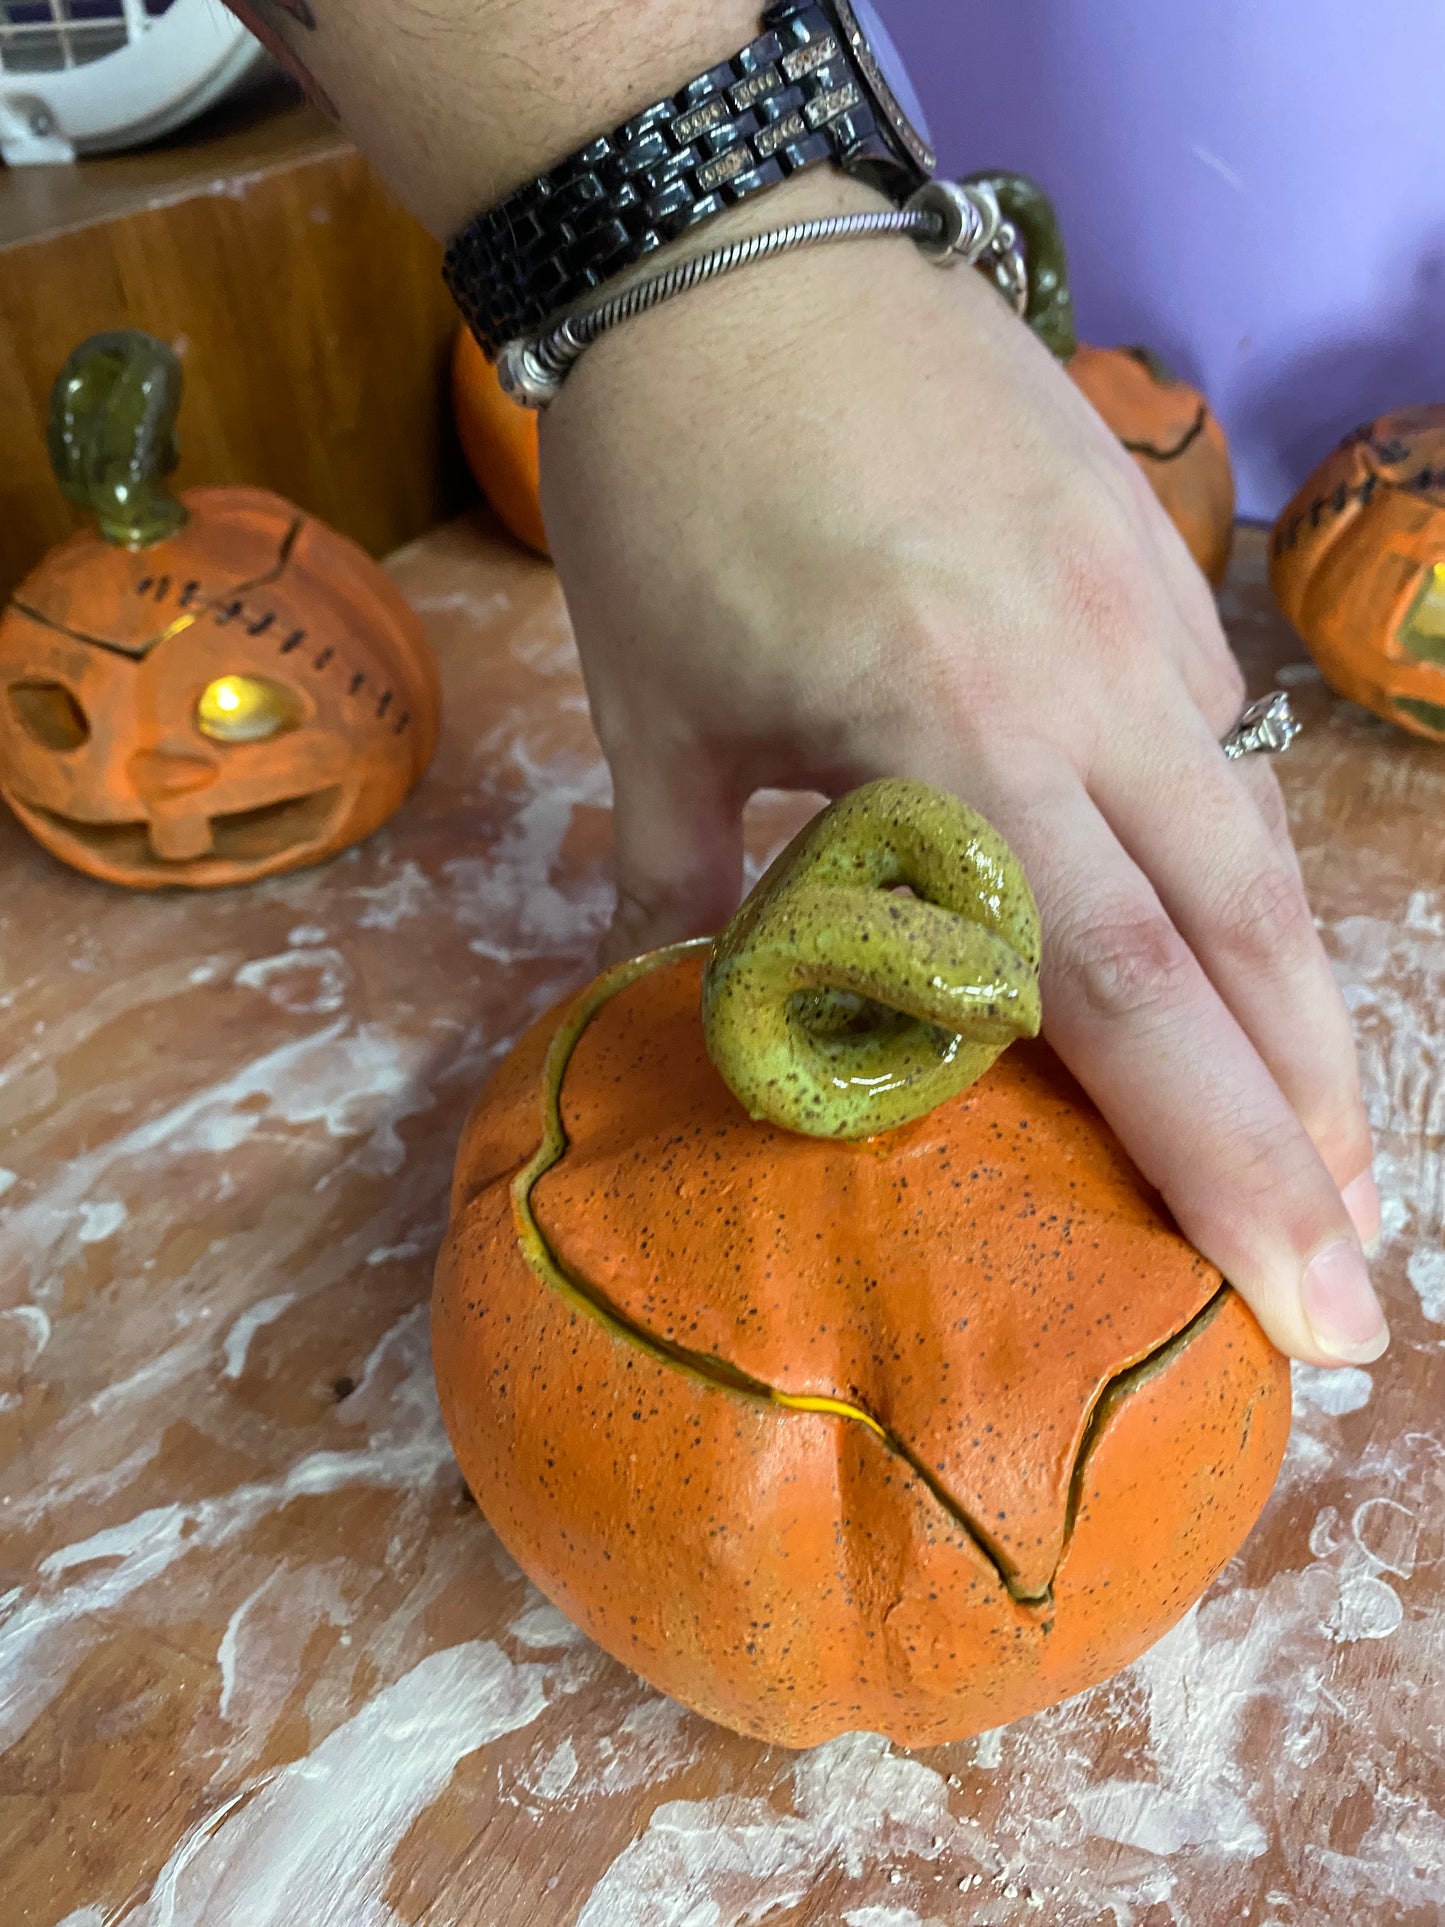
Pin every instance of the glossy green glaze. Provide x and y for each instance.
(1050, 312)
(837, 1005)
(112, 435)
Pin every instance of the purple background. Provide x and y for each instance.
(1256, 188)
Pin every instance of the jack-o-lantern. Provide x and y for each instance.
(1357, 561)
(1167, 426)
(213, 687)
(828, 1372)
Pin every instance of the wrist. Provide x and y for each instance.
(498, 93)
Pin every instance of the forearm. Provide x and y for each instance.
(456, 102)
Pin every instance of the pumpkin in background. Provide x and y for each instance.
(828, 1372)
(1167, 426)
(1357, 562)
(212, 687)
(499, 440)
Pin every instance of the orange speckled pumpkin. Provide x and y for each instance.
(915, 1431)
(1357, 561)
(499, 440)
(1167, 426)
(1173, 435)
(212, 688)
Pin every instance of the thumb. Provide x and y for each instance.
(677, 851)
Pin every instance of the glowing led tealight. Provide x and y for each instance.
(246, 709)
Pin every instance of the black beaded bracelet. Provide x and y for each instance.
(797, 96)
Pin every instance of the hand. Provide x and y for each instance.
(842, 517)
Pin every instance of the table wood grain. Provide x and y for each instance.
(262, 1662)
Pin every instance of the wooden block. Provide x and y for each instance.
(306, 304)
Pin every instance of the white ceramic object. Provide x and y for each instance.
(124, 72)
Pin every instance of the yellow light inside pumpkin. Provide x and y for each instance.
(1423, 633)
(246, 709)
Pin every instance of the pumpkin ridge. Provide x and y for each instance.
(186, 619)
(719, 1373)
(1154, 453)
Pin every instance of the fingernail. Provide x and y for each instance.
(1362, 1201)
(1341, 1306)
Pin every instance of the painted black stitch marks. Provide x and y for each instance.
(1389, 453)
(188, 597)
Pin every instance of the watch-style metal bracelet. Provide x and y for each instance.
(808, 90)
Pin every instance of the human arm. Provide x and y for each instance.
(842, 517)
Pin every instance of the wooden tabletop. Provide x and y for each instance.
(261, 1662)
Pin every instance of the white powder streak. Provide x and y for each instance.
(238, 1339)
(101, 1220)
(36, 1645)
(1425, 1269)
(542, 1626)
(352, 1081)
(1336, 1392)
(886, 1917)
(733, 1861)
(303, 982)
(33, 1329)
(314, 1841)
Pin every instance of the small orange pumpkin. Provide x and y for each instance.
(1167, 426)
(214, 687)
(499, 440)
(915, 1431)
(1357, 561)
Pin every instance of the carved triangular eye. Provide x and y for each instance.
(48, 713)
(247, 709)
(1423, 633)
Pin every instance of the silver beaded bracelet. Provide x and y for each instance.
(950, 222)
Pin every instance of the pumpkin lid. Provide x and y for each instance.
(234, 540)
(972, 1282)
(155, 562)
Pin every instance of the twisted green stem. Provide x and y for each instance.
(1050, 312)
(838, 1005)
(112, 435)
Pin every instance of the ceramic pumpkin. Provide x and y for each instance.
(829, 1368)
(499, 440)
(1167, 426)
(1357, 561)
(211, 687)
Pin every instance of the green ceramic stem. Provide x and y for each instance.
(1050, 312)
(112, 435)
(838, 1005)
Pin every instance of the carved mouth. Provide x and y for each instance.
(261, 836)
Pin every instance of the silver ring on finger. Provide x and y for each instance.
(1266, 728)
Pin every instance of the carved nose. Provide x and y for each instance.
(166, 780)
(161, 773)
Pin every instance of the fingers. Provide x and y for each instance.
(1187, 817)
(677, 850)
(1132, 1012)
